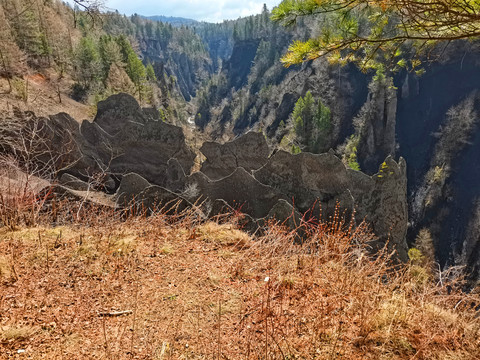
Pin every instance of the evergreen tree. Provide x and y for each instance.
(125, 47)
(110, 54)
(25, 25)
(88, 67)
(11, 58)
(375, 31)
(303, 118)
(150, 73)
(311, 123)
(136, 72)
(322, 129)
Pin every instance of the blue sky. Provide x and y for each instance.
(206, 10)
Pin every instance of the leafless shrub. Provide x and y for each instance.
(30, 159)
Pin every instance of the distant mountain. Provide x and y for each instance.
(175, 21)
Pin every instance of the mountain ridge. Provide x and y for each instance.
(174, 20)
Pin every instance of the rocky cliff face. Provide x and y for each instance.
(265, 101)
(317, 184)
(438, 134)
(239, 65)
(288, 187)
(249, 152)
(377, 137)
(405, 117)
(189, 70)
(152, 167)
(127, 138)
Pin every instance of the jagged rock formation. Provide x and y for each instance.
(127, 138)
(122, 138)
(288, 186)
(152, 163)
(385, 205)
(131, 185)
(249, 151)
(286, 214)
(321, 182)
(379, 123)
(306, 178)
(45, 146)
(240, 190)
(175, 176)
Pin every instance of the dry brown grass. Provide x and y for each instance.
(202, 290)
(18, 202)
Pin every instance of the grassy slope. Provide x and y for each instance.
(42, 97)
(198, 291)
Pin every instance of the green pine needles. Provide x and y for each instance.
(312, 124)
(396, 33)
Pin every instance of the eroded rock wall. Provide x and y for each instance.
(152, 164)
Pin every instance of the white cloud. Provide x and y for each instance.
(213, 10)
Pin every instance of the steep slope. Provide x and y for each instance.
(88, 58)
(228, 80)
(419, 119)
(438, 134)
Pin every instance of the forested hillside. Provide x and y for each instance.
(84, 57)
(175, 21)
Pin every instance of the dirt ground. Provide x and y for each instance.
(38, 93)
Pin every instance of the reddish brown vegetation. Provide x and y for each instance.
(201, 290)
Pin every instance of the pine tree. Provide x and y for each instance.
(312, 124)
(88, 67)
(150, 73)
(25, 26)
(322, 128)
(372, 32)
(303, 119)
(11, 57)
(110, 54)
(125, 47)
(136, 72)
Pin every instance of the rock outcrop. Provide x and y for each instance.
(307, 178)
(285, 214)
(239, 190)
(156, 198)
(249, 151)
(131, 185)
(379, 116)
(317, 184)
(152, 163)
(127, 138)
(50, 145)
(175, 176)
(385, 207)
